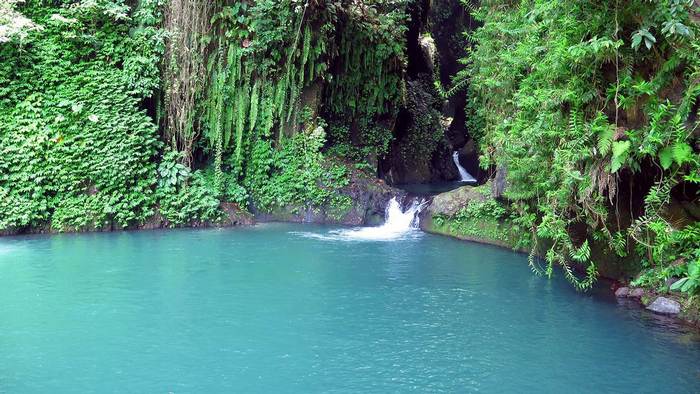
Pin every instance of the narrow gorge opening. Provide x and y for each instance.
(434, 113)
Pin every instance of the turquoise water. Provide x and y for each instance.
(432, 189)
(286, 308)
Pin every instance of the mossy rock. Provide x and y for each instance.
(443, 217)
(449, 203)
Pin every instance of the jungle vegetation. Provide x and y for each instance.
(111, 110)
(591, 108)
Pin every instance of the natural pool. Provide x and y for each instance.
(289, 308)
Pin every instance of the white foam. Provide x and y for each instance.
(399, 224)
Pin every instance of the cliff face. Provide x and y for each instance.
(432, 123)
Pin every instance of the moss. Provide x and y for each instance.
(340, 207)
(487, 230)
(690, 310)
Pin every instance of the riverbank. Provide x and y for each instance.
(465, 213)
(472, 214)
(361, 201)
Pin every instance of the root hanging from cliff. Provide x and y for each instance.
(184, 74)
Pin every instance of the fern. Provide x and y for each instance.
(666, 157)
(605, 140)
(682, 153)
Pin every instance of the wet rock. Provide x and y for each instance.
(235, 216)
(636, 293)
(418, 133)
(622, 292)
(665, 306)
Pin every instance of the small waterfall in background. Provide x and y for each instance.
(466, 177)
(398, 223)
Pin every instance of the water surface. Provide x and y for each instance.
(289, 308)
(432, 189)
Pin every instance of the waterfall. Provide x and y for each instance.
(464, 175)
(398, 220)
(398, 224)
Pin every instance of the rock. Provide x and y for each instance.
(368, 196)
(636, 293)
(622, 292)
(446, 122)
(498, 187)
(410, 157)
(450, 203)
(665, 306)
(235, 216)
(429, 50)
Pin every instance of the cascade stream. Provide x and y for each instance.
(464, 175)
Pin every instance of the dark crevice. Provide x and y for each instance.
(436, 24)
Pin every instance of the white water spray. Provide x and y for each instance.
(466, 177)
(398, 220)
(398, 224)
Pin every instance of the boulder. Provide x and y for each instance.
(665, 306)
(450, 203)
(369, 197)
(622, 292)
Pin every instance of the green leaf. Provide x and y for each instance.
(687, 285)
(636, 40)
(682, 152)
(643, 35)
(620, 148)
(678, 284)
(694, 269)
(605, 138)
(666, 157)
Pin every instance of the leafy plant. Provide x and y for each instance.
(691, 283)
(582, 89)
(171, 172)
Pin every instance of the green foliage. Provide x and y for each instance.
(196, 200)
(76, 149)
(252, 103)
(691, 283)
(585, 90)
(368, 79)
(171, 173)
(265, 62)
(371, 143)
(425, 130)
(671, 254)
(298, 175)
(488, 220)
(224, 82)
